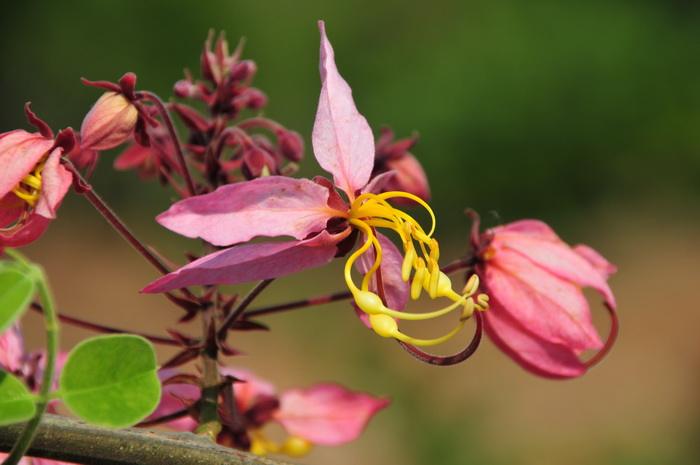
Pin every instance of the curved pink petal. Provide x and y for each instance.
(550, 307)
(410, 176)
(11, 349)
(20, 151)
(175, 397)
(542, 246)
(55, 182)
(327, 414)
(395, 289)
(534, 354)
(250, 389)
(599, 262)
(269, 206)
(379, 183)
(251, 262)
(342, 139)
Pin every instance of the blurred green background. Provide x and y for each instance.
(585, 114)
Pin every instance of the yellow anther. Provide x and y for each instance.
(30, 197)
(468, 309)
(434, 278)
(444, 287)
(29, 188)
(482, 301)
(472, 285)
(407, 265)
(384, 325)
(418, 279)
(369, 302)
(434, 250)
(33, 181)
(294, 446)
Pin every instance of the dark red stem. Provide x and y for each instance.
(612, 336)
(153, 98)
(240, 308)
(313, 301)
(107, 329)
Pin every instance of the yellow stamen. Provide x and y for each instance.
(369, 211)
(29, 188)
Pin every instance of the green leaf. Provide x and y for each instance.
(17, 288)
(16, 402)
(111, 380)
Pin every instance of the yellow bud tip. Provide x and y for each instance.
(384, 325)
(257, 447)
(369, 302)
(294, 446)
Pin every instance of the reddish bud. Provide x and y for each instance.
(291, 144)
(110, 122)
(243, 70)
(185, 88)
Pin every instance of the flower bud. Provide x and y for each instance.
(243, 70)
(109, 122)
(291, 144)
(186, 89)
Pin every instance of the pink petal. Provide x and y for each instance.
(20, 151)
(175, 397)
(327, 414)
(56, 180)
(251, 262)
(11, 349)
(379, 183)
(551, 308)
(395, 289)
(110, 122)
(541, 245)
(269, 206)
(532, 353)
(599, 262)
(342, 140)
(410, 176)
(29, 231)
(133, 157)
(250, 389)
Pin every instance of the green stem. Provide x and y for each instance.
(51, 325)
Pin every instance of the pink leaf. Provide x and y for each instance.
(269, 206)
(327, 414)
(342, 139)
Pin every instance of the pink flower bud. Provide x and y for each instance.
(186, 89)
(539, 315)
(110, 122)
(243, 70)
(291, 144)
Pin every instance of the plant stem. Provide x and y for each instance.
(106, 329)
(108, 214)
(240, 308)
(152, 97)
(51, 326)
(310, 302)
(209, 422)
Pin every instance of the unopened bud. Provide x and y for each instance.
(109, 122)
(291, 145)
(243, 70)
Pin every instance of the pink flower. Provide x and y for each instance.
(539, 315)
(324, 414)
(321, 222)
(32, 185)
(11, 350)
(327, 414)
(394, 156)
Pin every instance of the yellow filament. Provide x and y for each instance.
(369, 211)
(29, 188)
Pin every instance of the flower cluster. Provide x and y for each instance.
(324, 414)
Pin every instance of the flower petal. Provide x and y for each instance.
(534, 354)
(251, 262)
(20, 151)
(342, 139)
(269, 206)
(11, 349)
(327, 414)
(55, 182)
(536, 241)
(410, 176)
(550, 307)
(250, 389)
(175, 397)
(599, 262)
